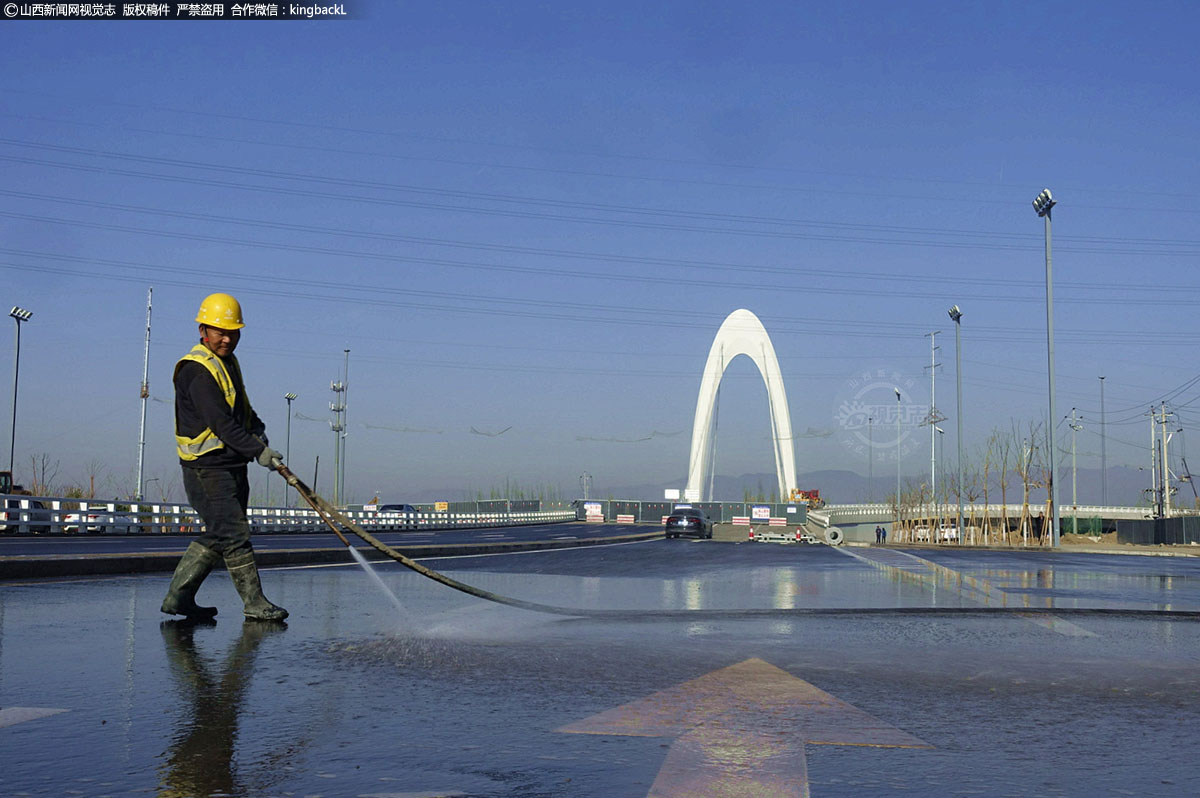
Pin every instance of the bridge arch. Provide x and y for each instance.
(741, 334)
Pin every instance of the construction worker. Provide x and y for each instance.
(217, 433)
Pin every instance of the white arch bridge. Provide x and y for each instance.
(740, 334)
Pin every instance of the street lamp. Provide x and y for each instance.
(19, 315)
(1042, 204)
(287, 452)
(956, 315)
(897, 390)
(870, 459)
(1103, 452)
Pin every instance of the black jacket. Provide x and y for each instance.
(199, 405)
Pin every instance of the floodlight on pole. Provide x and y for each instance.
(19, 315)
(956, 316)
(287, 452)
(897, 390)
(1042, 204)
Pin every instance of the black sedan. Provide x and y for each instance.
(688, 521)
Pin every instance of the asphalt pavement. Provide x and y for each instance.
(726, 669)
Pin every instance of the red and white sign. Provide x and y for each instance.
(624, 519)
(741, 520)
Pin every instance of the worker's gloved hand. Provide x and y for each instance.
(268, 457)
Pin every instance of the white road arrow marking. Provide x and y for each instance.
(742, 730)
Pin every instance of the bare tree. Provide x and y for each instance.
(1044, 478)
(989, 452)
(44, 472)
(974, 485)
(920, 495)
(1027, 467)
(1004, 458)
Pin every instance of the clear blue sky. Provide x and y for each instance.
(537, 215)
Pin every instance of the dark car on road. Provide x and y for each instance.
(25, 516)
(688, 521)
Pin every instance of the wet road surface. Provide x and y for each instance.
(454, 696)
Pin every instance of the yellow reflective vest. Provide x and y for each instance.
(230, 385)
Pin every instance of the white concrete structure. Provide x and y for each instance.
(741, 334)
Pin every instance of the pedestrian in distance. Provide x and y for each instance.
(217, 433)
(883, 533)
(878, 535)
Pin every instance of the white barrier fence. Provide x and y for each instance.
(882, 512)
(53, 516)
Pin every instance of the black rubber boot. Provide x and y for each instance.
(194, 566)
(244, 571)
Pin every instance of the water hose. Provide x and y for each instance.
(332, 518)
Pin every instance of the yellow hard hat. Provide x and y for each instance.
(221, 310)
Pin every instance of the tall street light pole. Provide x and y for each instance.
(897, 390)
(1103, 453)
(19, 315)
(1042, 205)
(287, 452)
(956, 315)
(145, 396)
(870, 458)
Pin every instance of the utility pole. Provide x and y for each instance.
(137, 493)
(933, 414)
(1154, 466)
(345, 424)
(337, 406)
(1075, 427)
(1166, 469)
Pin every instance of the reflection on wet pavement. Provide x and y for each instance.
(200, 758)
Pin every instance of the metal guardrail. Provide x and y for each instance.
(833, 512)
(57, 516)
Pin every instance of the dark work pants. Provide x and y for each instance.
(220, 496)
